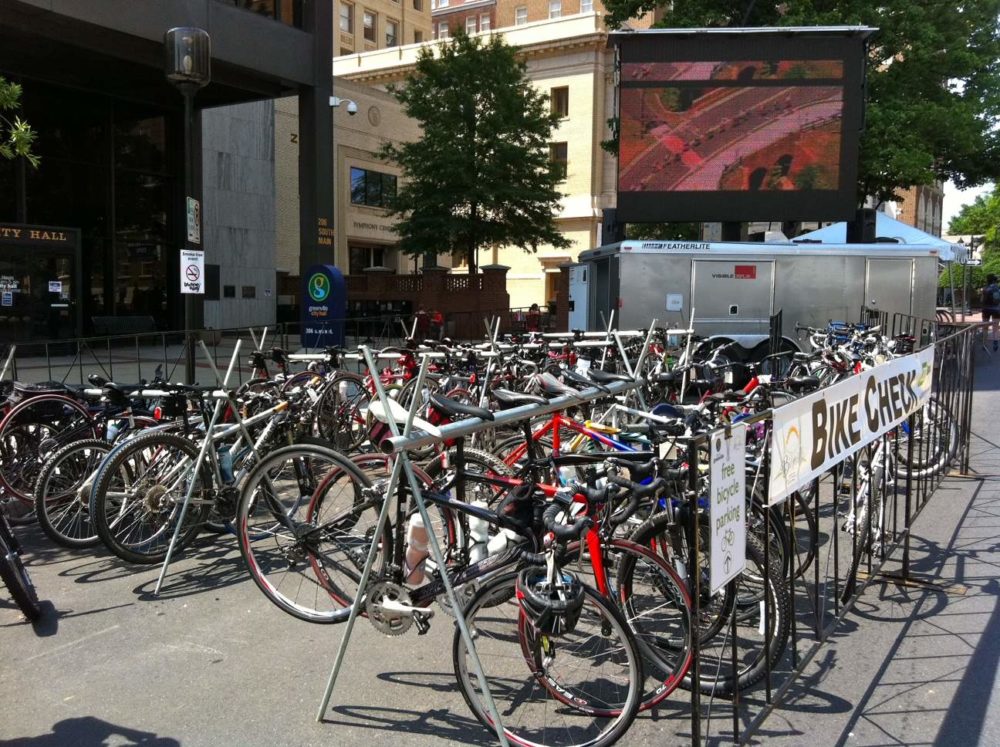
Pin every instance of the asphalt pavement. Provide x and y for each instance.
(210, 662)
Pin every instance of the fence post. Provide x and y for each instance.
(694, 573)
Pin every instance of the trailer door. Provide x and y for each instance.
(732, 296)
(579, 296)
(889, 285)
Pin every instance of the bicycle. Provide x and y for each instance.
(14, 575)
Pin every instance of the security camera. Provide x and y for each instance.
(352, 108)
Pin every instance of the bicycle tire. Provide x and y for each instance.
(32, 430)
(657, 607)
(715, 612)
(62, 493)
(141, 464)
(324, 558)
(511, 652)
(337, 414)
(15, 576)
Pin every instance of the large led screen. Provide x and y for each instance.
(723, 126)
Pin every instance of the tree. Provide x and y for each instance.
(480, 175)
(16, 136)
(933, 79)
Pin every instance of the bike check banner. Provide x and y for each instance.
(815, 432)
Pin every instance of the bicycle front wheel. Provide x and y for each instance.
(306, 520)
(15, 577)
(582, 688)
(62, 493)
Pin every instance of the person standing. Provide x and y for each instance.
(533, 323)
(437, 325)
(991, 307)
(423, 324)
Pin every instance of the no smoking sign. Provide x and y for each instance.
(192, 271)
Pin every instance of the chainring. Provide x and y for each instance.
(387, 623)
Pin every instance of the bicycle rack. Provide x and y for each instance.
(223, 397)
(402, 464)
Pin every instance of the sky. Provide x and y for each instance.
(955, 198)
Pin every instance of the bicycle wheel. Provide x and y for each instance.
(138, 494)
(306, 519)
(754, 656)
(62, 493)
(582, 688)
(15, 576)
(339, 413)
(715, 610)
(32, 430)
(657, 607)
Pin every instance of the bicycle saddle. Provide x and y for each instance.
(569, 374)
(455, 408)
(399, 415)
(801, 383)
(606, 377)
(507, 399)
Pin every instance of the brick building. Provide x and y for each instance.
(364, 25)
(922, 207)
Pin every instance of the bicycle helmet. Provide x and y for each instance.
(552, 609)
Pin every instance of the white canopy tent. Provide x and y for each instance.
(888, 229)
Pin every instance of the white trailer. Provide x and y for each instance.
(734, 288)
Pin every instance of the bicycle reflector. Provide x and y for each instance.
(552, 609)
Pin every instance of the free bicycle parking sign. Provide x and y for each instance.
(727, 515)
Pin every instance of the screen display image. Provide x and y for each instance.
(737, 136)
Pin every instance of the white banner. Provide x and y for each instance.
(192, 271)
(815, 432)
(727, 514)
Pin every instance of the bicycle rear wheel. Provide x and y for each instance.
(306, 519)
(582, 688)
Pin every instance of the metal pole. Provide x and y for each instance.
(189, 299)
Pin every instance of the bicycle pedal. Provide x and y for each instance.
(422, 621)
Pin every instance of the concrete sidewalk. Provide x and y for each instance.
(918, 665)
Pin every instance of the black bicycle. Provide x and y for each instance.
(13, 573)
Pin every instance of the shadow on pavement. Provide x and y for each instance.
(440, 723)
(91, 732)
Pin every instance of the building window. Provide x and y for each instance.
(435, 4)
(442, 31)
(470, 25)
(558, 157)
(418, 4)
(372, 188)
(369, 19)
(391, 33)
(212, 286)
(521, 15)
(418, 37)
(249, 291)
(484, 22)
(229, 291)
(559, 101)
(363, 257)
(586, 6)
(347, 18)
(555, 8)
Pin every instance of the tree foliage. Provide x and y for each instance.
(933, 79)
(16, 136)
(480, 174)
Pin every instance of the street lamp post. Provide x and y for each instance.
(352, 109)
(188, 67)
